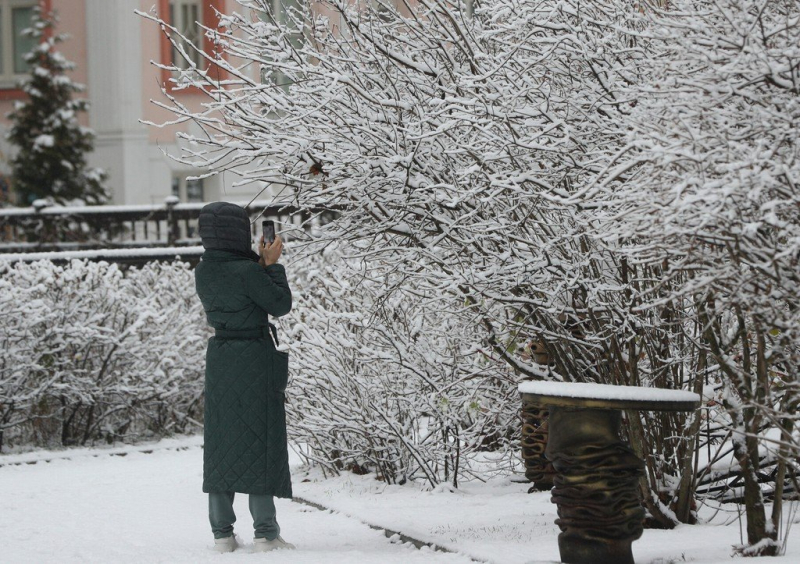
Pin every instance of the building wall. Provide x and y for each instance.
(162, 139)
(113, 48)
(72, 14)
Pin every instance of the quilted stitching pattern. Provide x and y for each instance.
(245, 421)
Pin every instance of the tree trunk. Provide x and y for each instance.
(636, 439)
(683, 506)
(745, 450)
(787, 426)
(753, 500)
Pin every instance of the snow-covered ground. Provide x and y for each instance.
(498, 521)
(149, 507)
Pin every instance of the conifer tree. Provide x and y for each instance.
(52, 145)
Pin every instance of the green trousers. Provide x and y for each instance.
(222, 517)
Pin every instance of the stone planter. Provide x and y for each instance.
(599, 510)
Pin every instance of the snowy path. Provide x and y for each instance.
(150, 508)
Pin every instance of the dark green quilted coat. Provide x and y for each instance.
(245, 422)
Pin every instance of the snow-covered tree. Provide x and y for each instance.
(50, 161)
(443, 141)
(712, 208)
(396, 383)
(551, 167)
(446, 142)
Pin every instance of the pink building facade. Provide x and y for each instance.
(113, 48)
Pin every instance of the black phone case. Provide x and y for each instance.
(269, 232)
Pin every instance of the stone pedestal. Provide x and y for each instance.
(595, 485)
(599, 510)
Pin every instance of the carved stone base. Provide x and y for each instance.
(600, 513)
(538, 469)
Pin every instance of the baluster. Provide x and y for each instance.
(172, 222)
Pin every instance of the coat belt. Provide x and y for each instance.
(257, 333)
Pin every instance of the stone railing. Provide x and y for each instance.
(128, 234)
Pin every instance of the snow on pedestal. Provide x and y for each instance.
(581, 390)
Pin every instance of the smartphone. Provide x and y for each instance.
(268, 228)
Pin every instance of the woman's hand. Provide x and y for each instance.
(270, 252)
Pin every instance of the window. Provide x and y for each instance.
(289, 13)
(188, 190)
(185, 16)
(189, 17)
(15, 16)
(385, 10)
(194, 190)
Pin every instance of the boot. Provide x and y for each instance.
(264, 545)
(225, 544)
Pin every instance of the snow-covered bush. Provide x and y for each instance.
(447, 143)
(612, 179)
(91, 353)
(711, 208)
(392, 382)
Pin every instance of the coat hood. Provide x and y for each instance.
(225, 227)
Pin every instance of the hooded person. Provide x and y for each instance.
(245, 380)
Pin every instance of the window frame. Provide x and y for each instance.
(207, 19)
(277, 10)
(8, 78)
(182, 26)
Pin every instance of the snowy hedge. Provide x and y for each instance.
(412, 392)
(90, 352)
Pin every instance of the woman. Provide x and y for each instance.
(245, 422)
